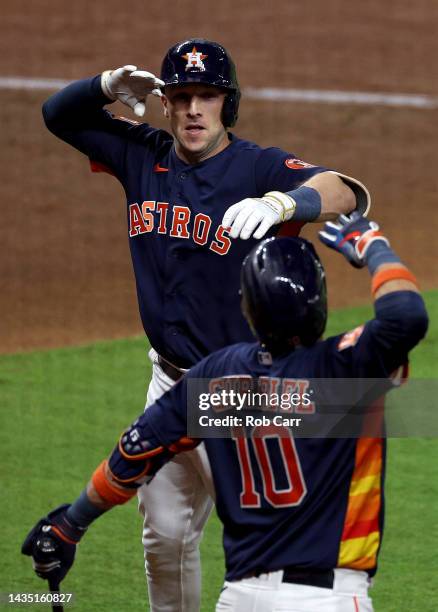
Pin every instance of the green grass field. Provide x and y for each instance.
(62, 412)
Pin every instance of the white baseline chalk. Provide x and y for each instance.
(31, 83)
(341, 97)
(274, 94)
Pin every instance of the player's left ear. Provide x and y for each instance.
(164, 103)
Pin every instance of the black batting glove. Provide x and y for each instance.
(52, 545)
(351, 235)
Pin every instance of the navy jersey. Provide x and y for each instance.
(307, 503)
(186, 267)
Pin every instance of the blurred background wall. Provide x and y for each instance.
(65, 272)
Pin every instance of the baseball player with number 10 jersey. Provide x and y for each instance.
(303, 517)
(197, 201)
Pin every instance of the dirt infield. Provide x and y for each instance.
(65, 270)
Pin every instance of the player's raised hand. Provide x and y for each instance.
(351, 235)
(131, 86)
(52, 545)
(255, 216)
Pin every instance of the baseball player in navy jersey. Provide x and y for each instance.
(303, 517)
(197, 199)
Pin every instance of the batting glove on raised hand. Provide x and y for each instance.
(52, 545)
(261, 213)
(352, 236)
(130, 86)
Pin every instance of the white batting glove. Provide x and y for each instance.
(261, 213)
(130, 86)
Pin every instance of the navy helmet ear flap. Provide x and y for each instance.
(230, 109)
(203, 61)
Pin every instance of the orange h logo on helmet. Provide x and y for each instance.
(194, 59)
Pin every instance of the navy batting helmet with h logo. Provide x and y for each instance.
(203, 61)
(284, 294)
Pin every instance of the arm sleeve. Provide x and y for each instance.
(76, 115)
(383, 344)
(150, 442)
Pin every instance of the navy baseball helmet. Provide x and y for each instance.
(203, 61)
(284, 296)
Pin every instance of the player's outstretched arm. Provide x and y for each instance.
(400, 309)
(324, 196)
(135, 460)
